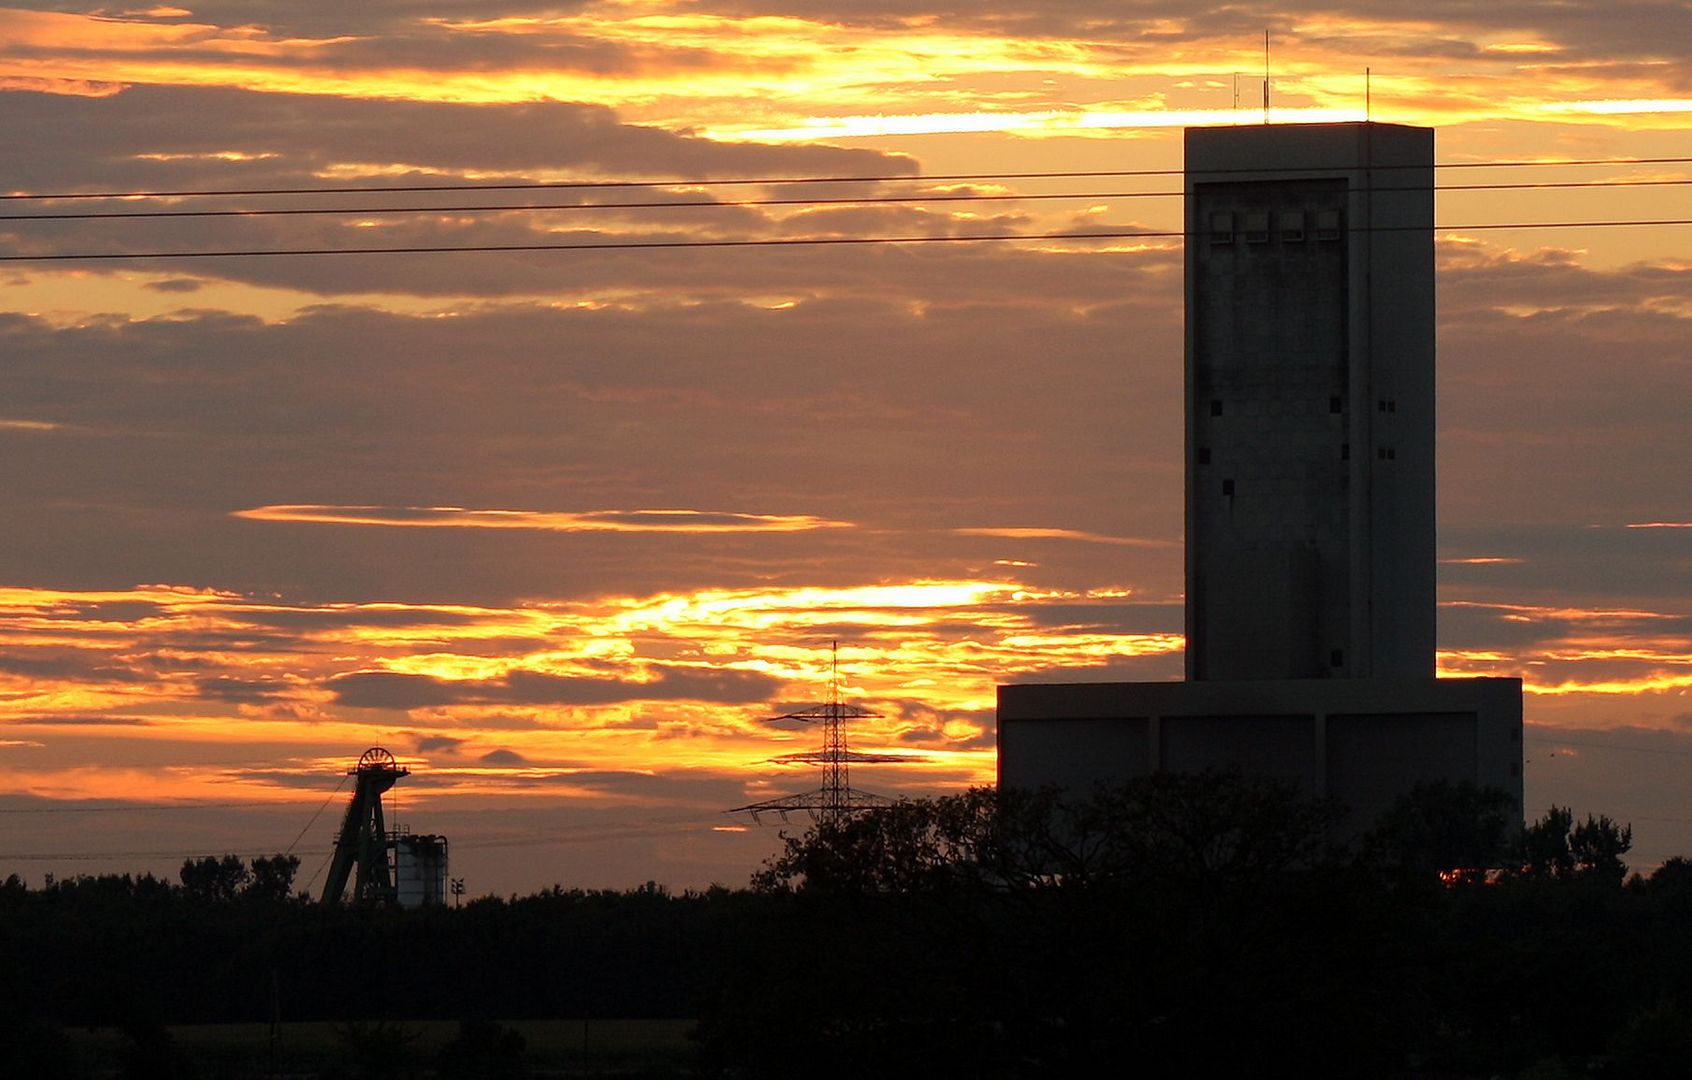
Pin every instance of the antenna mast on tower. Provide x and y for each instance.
(835, 800)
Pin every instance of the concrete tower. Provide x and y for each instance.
(1310, 497)
(1310, 402)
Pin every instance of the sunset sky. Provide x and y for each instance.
(560, 528)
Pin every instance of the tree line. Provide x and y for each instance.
(1174, 923)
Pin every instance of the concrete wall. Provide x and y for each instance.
(1082, 750)
(1310, 381)
(1277, 747)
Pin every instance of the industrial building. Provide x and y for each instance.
(385, 866)
(420, 869)
(1310, 547)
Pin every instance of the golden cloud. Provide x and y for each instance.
(457, 517)
(791, 78)
(658, 683)
(1014, 533)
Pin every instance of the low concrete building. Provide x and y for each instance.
(1363, 742)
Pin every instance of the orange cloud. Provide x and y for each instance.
(1067, 534)
(455, 517)
(1481, 560)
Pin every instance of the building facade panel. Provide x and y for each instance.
(1083, 751)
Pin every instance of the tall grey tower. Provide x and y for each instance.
(1309, 498)
(1310, 402)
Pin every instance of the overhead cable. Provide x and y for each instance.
(769, 242)
(559, 185)
(868, 200)
(149, 808)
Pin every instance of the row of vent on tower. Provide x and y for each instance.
(1291, 225)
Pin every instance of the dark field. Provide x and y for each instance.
(551, 1048)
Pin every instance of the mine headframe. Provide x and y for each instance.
(363, 840)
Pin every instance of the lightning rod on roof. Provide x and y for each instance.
(1265, 76)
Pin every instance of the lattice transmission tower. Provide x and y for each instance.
(835, 800)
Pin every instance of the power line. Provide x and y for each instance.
(315, 815)
(487, 207)
(868, 200)
(553, 838)
(561, 185)
(544, 838)
(148, 809)
(322, 866)
(650, 245)
(112, 856)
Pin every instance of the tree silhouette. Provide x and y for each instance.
(1178, 924)
(214, 880)
(1459, 829)
(1674, 876)
(1007, 933)
(272, 878)
(1554, 847)
(1597, 844)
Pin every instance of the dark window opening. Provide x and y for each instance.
(1228, 487)
(1222, 228)
(1336, 658)
(1216, 408)
(1204, 455)
(1334, 405)
(1345, 451)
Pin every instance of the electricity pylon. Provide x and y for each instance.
(835, 800)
